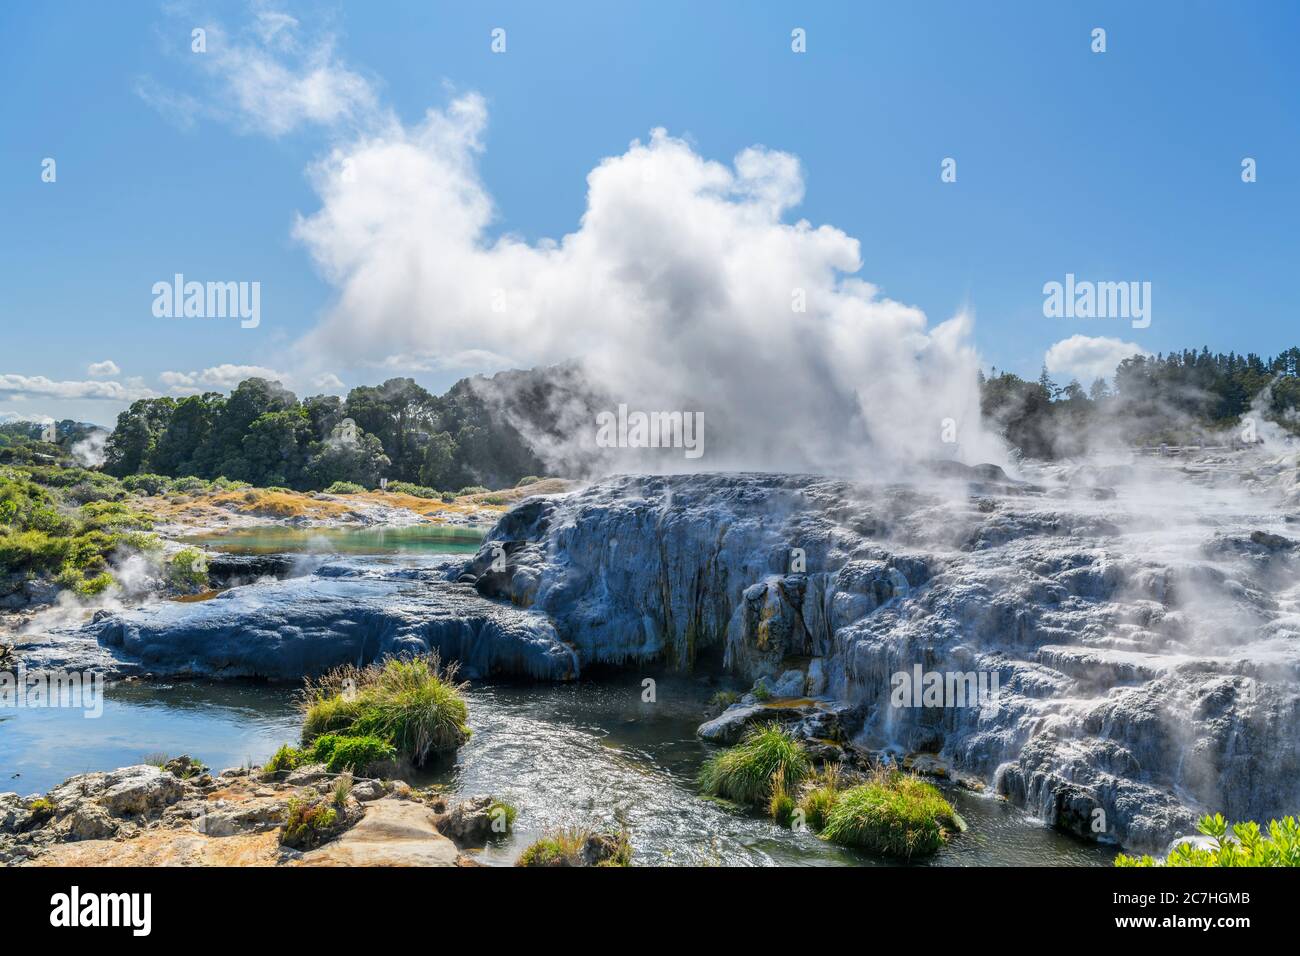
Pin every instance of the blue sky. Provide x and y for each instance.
(1123, 165)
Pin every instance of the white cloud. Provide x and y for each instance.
(1088, 358)
(680, 288)
(28, 386)
(329, 381)
(268, 79)
(105, 369)
(220, 378)
(677, 290)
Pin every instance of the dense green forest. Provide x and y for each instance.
(1179, 397)
(261, 433)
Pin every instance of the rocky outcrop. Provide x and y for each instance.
(344, 613)
(147, 816)
(1140, 663)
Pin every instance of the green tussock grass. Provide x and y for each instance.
(893, 814)
(412, 704)
(767, 757)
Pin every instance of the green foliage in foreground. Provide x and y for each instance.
(285, 759)
(411, 704)
(576, 847)
(352, 754)
(1249, 845)
(895, 814)
(765, 759)
(308, 823)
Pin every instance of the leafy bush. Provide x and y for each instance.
(471, 490)
(767, 757)
(894, 814)
(344, 488)
(416, 491)
(1247, 846)
(285, 759)
(339, 753)
(150, 484)
(308, 823)
(187, 571)
(190, 485)
(410, 703)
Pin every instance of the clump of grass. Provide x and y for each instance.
(761, 692)
(1247, 846)
(283, 760)
(766, 758)
(819, 795)
(413, 704)
(781, 806)
(502, 815)
(893, 814)
(574, 846)
(352, 754)
(341, 789)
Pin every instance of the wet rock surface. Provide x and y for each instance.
(346, 612)
(1144, 643)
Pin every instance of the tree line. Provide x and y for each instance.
(263, 434)
(1171, 398)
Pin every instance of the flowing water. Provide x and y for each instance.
(587, 753)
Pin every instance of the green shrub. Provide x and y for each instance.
(410, 703)
(747, 773)
(894, 814)
(187, 570)
(495, 499)
(308, 823)
(339, 753)
(149, 484)
(344, 488)
(190, 485)
(416, 491)
(285, 759)
(471, 490)
(41, 809)
(1247, 846)
(447, 497)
